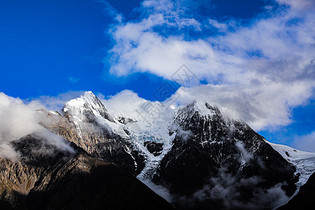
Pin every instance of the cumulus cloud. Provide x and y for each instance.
(262, 69)
(18, 119)
(261, 107)
(305, 143)
(125, 103)
(129, 105)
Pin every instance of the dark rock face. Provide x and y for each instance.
(154, 147)
(124, 120)
(47, 178)
(36, 152)
(305, 199)
(116, 152)
(219, 163)
(103, 186)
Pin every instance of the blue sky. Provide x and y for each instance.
(260, 50)
(50, 47)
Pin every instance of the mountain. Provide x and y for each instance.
(87, 123)
(192, 155)
(222, 163)
(48, 178)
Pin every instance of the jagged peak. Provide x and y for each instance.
(89, 95)
(87, 102)
(203, 108)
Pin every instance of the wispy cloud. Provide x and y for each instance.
(74, 79)
(305, 143)
(266, 66)
(17, 120)
(56, 103)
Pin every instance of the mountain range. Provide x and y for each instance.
(152, 156)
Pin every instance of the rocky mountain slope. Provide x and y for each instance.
(47, 178)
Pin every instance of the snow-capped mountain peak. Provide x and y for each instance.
(88, 112)
(86, 105)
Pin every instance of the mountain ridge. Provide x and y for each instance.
(213, 128)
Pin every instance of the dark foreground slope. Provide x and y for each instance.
(305, 199)
(47, 178)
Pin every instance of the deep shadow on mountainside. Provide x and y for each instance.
(305, 199)
(47, 178)
(223, 164)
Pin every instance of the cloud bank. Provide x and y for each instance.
(17, 120)
(265, 68)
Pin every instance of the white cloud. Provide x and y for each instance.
(222, 27)
(124, 104)
(17, 120)
(266, 68)
(305, 143)
(299, 4)
(261, 107)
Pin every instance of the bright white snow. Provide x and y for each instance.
(304, 161)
